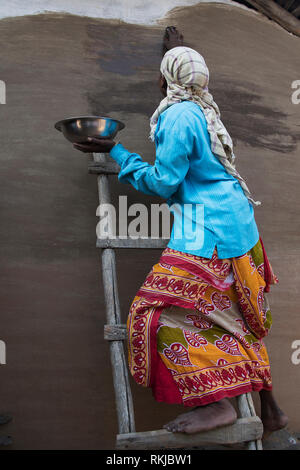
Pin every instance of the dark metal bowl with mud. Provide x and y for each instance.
(78, 129)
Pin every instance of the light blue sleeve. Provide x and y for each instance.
(173, 146)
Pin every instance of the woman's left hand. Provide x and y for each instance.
(95, 145)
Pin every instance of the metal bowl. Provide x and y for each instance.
(77, 129)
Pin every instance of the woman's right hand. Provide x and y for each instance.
(172, 38)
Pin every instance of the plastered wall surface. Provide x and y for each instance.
(57, 381)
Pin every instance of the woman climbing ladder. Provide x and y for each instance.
(196, 325)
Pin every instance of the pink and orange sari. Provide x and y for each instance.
(195, 327)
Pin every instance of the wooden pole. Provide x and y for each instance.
(246, 409)
(275, 12)
(124, 403)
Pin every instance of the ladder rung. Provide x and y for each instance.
(243, 430)
(115, 332)
(107, 168)
(154, 243)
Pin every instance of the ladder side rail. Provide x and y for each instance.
(123, 396)
(253, 413)
(245, 412)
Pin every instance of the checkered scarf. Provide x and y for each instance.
(187, 78)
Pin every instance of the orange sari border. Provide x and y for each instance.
(223, 381)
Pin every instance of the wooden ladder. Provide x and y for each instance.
(247, 429)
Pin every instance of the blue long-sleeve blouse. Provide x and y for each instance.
(209, 206)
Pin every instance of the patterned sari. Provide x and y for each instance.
(195, 327)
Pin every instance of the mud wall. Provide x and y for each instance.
(57, 379)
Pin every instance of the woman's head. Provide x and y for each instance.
(183, 67)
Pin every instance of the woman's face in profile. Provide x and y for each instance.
(162, 84)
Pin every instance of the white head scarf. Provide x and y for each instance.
(187, 78)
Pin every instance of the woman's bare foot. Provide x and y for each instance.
(172, 38)
(204, 418)
(273, 418)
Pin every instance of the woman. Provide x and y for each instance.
(196, 325)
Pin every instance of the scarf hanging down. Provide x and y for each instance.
(187, 78)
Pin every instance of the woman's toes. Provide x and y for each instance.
(174, 428)
(168, 427)
(181, 428)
